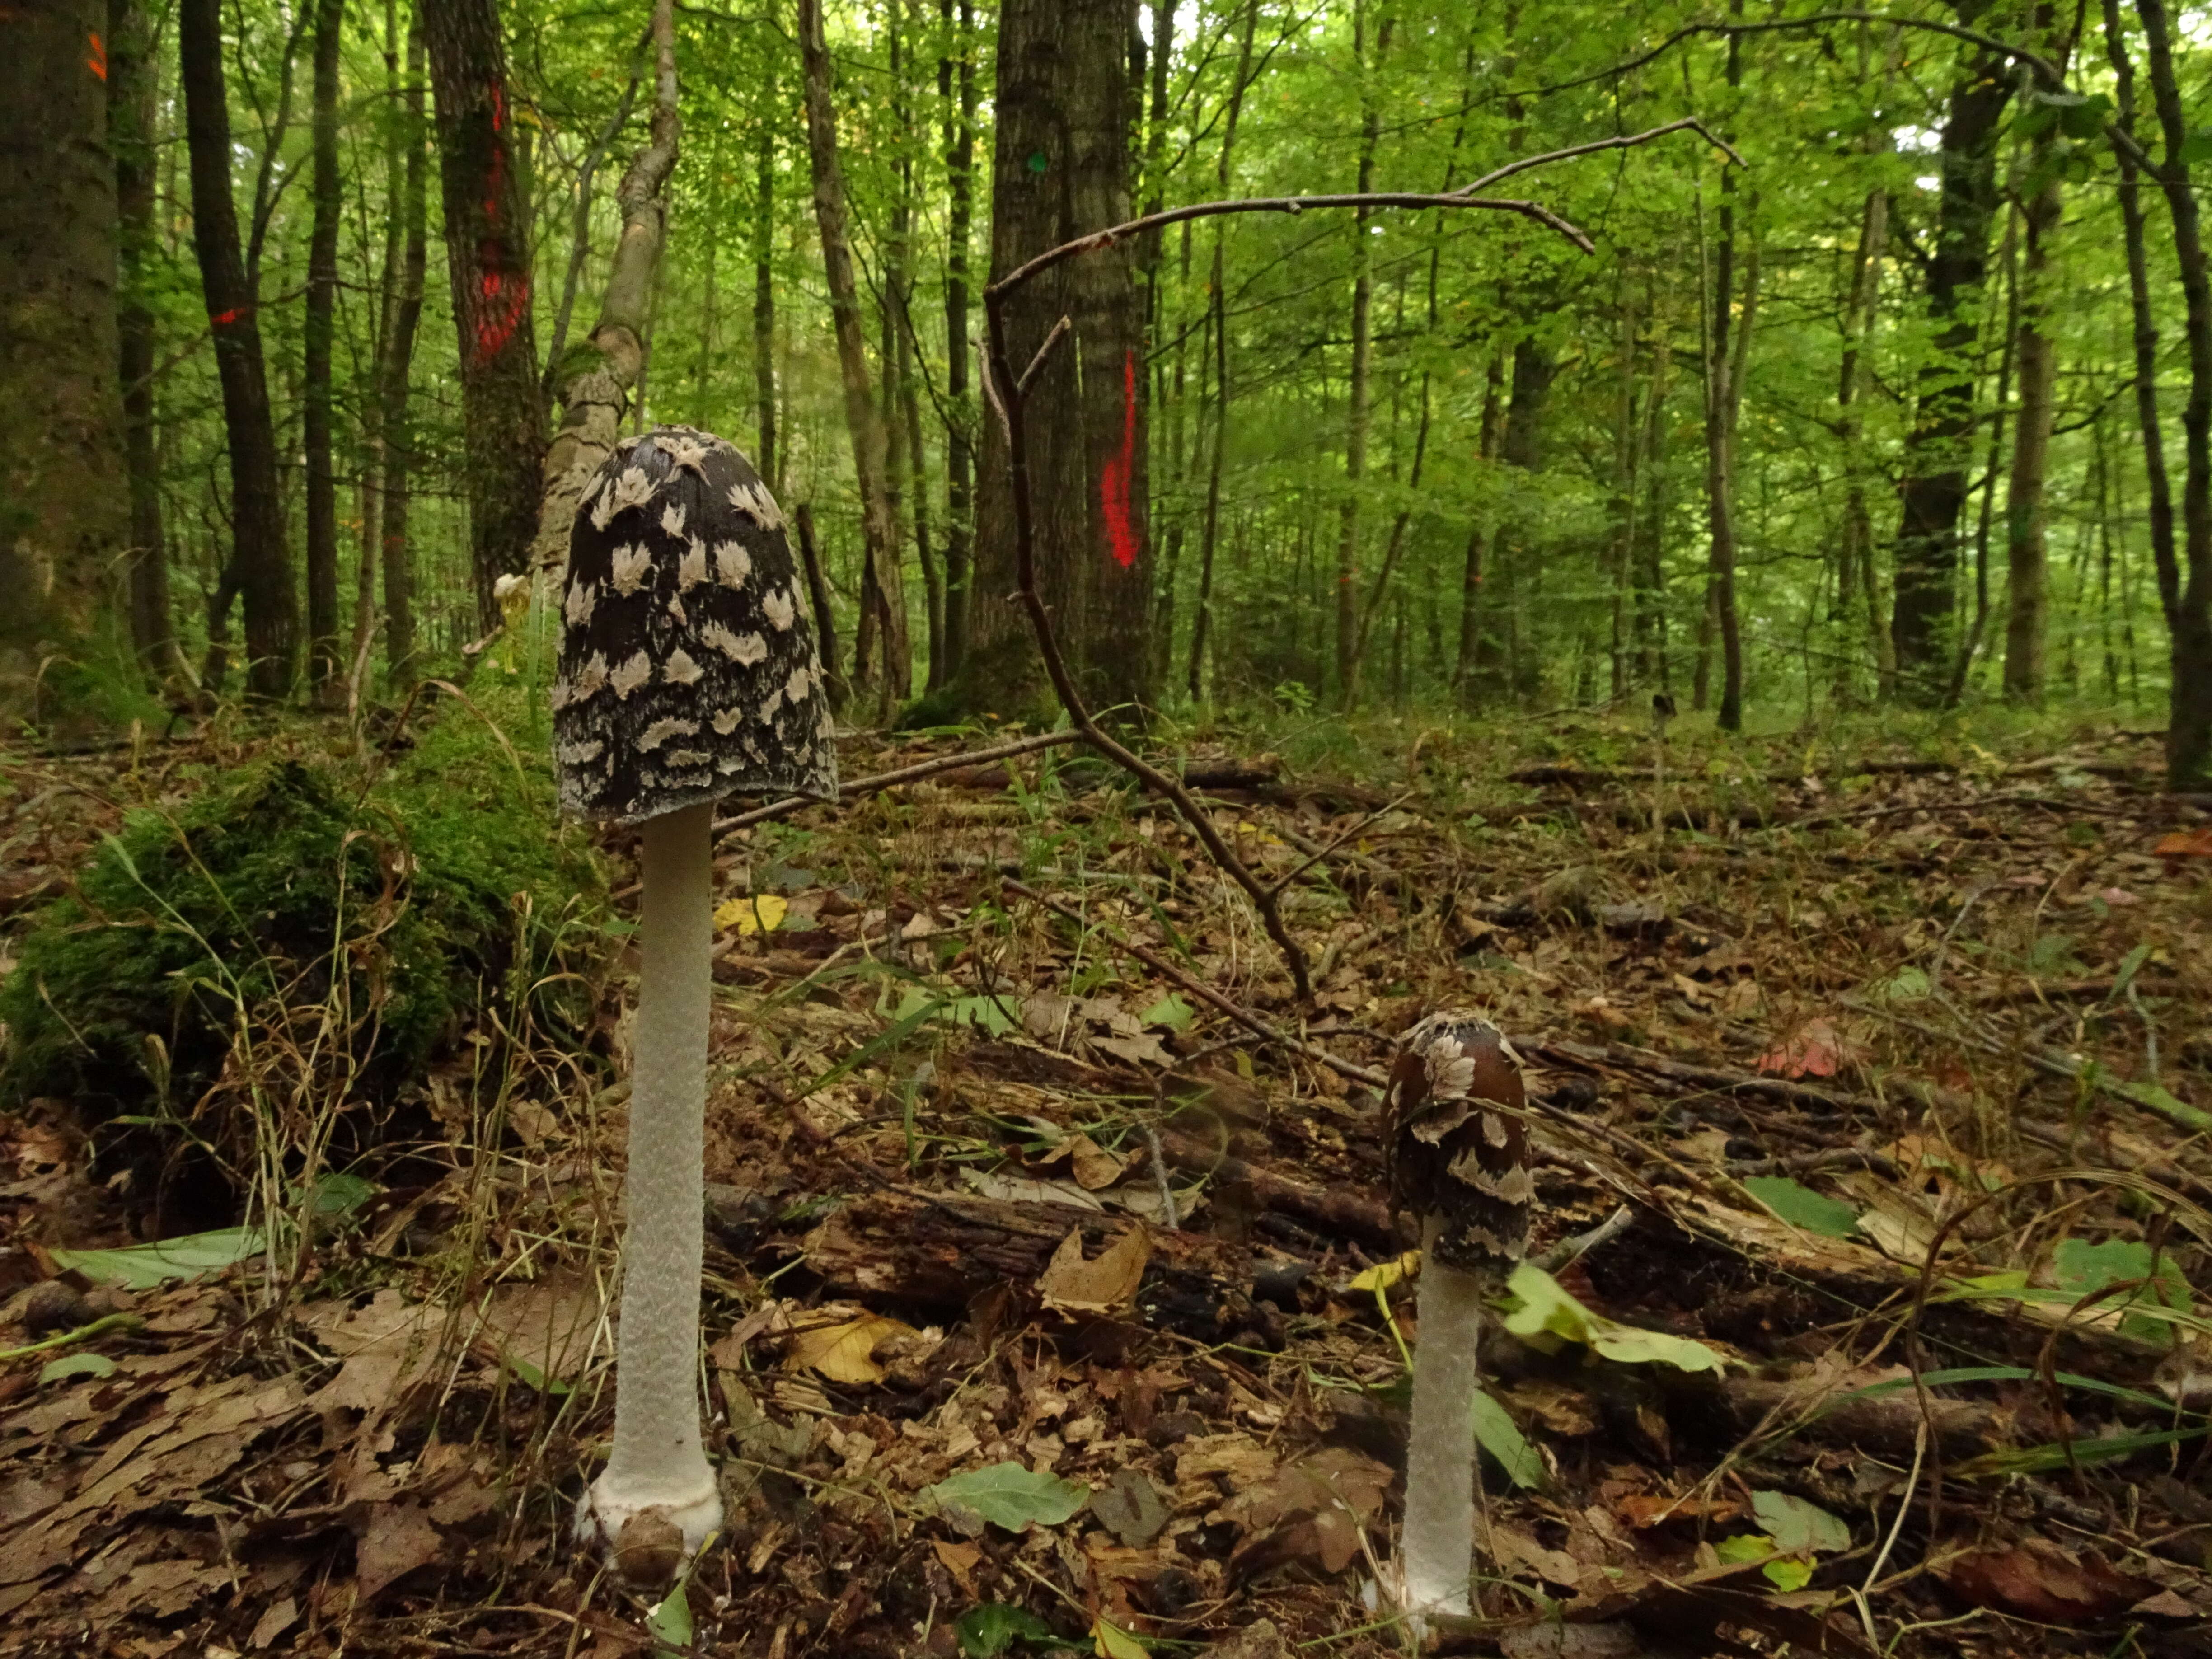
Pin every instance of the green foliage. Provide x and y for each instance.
(286, 909)
(1010, 1496)
(1800, 1207)
(989, 1630)
(1547, 1310)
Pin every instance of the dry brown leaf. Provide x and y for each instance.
(399, 1538)
(844, 1352)
(1092, 1165)
(384, 1347)
(1105, 1284)
(960, 1560)
(2039, 1581)
(1313, 1508)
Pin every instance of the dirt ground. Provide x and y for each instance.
(1882, 1075)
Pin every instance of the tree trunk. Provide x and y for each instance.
(1857, 583)
(2026, 554)
(2188, 726)
(324, 669)
(2145, 321)
(1722, 394)
(596, 377)
(1933, 493)
(891, 673)
(1060, 169)
(580, 236)
(1218, 333)
(132, 88)
(1477, 653)
(1516, 668)
(256, 512)
(960, 416)
(764, 292)
(825, 619)
(487, 259)
(396, 428)
(1357, 413)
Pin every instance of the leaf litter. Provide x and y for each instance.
(1048, 1302)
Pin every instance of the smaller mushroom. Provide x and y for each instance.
(1459, 1160)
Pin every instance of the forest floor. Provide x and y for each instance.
(1894, 1059)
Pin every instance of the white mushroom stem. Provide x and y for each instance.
(658, 1463)
(1439, 1549)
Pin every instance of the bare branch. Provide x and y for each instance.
(891, 779)
(1624, 140)
(1059, 332)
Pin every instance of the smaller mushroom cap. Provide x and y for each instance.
(688, 669)
(1458, 1150)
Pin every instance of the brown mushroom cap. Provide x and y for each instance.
(687, 670)
(1453, 1160)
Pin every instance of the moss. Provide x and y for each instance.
(367, 932)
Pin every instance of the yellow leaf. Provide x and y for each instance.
(846, 1353)
(1110, 1641)
(762, 913)
(1384, 1274)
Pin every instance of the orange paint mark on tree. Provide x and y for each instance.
(1114, 482)
(97, 60)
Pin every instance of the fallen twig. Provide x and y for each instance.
(914, 774)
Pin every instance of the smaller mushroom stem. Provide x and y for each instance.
(1440, 1477)
(657, 1461)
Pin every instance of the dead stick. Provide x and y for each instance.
(914, 774)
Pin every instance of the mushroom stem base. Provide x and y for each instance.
(1438, 1551)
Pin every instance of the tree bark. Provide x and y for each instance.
(2189, 725)
(324, 668)
(889, 673)
(2164, 558)
(1201, 622)
(1857, 583)
(133, 87)
(2026, 543)
(397, 432)
(488, 260)
(1357, 413)
(580, 234)
(1477, 653)
(262, 562)
(1933, 494)
(960, 413)
(763, 237)
(1722, 396)
(595, 378)
(1060, 169)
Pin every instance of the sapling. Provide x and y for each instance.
(687, 673)
(1459, 1162)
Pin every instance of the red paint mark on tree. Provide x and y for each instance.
(97, 60)
(1114, 483)
(503, 294)
(505, 300)
(223, 319)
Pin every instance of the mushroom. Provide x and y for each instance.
(1459, 1161)
(687, 673)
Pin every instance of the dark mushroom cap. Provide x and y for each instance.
(1454, 1159)
(688, 669)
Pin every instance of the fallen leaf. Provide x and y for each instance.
(399, 1539)
(844, 1352)
(1011, 1496)
(1313, 1507)
(1642, 1509)
(280, 1616)
(2185, 844)
(1093, 1166)
(960, 1560)
(1103, 1285)
(1128, 1508)
(1813, 1050)
(762, 913)
(2039, 1581)
(1545, 1308)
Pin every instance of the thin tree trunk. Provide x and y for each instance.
(906, 459)
(1722, 394)
(1201, 621)
(489, 259)
(2026, 542)
(580, 234)
(959, 418)
(261, 559)
(1963, 668)
(1858, 581)
(764, 294)
(1356, 414)
(2188, 727)
(839, 691)
(324, 672)
(891, 679)
(397, 429)
(597, 378)
(1474, 567)
(1933, 492)
(133, 87)
(2145, 321)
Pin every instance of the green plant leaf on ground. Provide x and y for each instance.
(1744, 1546)
(77, 1364)
(669, 1620)
(1171, 1011)
(1800, 1207)
(1546, 1309)
(1010, 1496)
(1110, 1641)
(1497, 1434)
(984, 1013)
(2083, 1266)
(986, 1632)
(1799, 1528)
(146, 1266)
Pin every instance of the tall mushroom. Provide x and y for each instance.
(687, 673)
(1459, 1160)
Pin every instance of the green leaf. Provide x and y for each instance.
(78, 1364)
(1796, 1527)
(984, 1013)
(1905, 985)
(986, 1632)
(1789, 1574)
(2052, 1455)
(1745, 1547)
(1944, 1379)
(2083, 1266)
(1496, 1434)
(1171, 1011)
(1110, 1641)
(532, 1377)
(670, 1619)
(1009, 1495)
(336, 1194)
(146, 1266)
(1800, 1207)
(2197, 146)
(1546, 1307)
